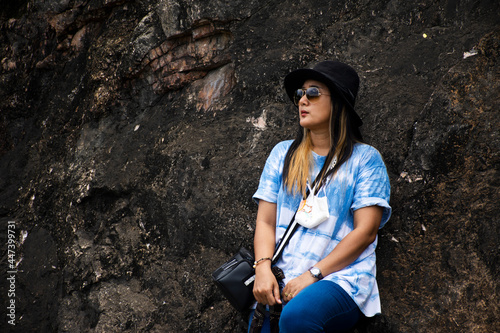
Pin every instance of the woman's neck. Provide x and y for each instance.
(321, 142)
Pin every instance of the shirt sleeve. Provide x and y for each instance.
(372, 185)
(270, 179)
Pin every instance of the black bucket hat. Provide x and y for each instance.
(341, 79)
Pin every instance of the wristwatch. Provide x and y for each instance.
(316, 273)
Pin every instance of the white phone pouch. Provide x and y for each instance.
(313, 210)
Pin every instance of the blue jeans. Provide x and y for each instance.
(321, 307)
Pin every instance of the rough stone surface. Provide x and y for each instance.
(133, 134)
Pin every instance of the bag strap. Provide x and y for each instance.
(292, 227)
(314, 185)
(290, 230)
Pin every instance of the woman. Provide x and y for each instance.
(330, 268)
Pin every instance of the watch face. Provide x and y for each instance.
(315, 271)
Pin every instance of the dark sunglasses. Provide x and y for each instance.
(312, 94)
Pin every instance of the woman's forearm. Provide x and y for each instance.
(266, 288)
(367, 221)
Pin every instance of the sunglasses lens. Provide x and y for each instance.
(312, 94)
(297, 96)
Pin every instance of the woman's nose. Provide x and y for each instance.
(303, 99)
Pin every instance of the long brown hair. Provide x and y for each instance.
(298, 161)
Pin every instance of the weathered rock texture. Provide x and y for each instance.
(133, 134)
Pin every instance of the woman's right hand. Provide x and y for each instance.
(266, 289)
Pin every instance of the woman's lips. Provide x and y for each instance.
(303, 113)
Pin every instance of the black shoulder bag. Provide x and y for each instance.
(236, 276)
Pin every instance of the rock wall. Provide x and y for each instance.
(133, 134)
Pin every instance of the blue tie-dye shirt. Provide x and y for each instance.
(360, 182)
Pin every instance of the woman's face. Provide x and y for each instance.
(315, 115)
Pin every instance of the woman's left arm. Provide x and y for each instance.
(366, 224)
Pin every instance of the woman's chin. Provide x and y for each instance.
(305, 123)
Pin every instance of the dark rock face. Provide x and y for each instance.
(133, 134)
